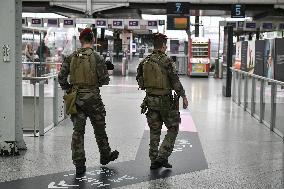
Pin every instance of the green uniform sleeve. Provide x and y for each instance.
(102, 72)
(139, 76)
(174, 78)
(64, 72)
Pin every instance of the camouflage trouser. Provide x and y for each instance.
(88, 105)
(155, 119)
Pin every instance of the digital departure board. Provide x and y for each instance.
(177, 23)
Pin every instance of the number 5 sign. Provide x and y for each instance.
(238, 11)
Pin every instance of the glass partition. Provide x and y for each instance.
(279, 122)
(257, 97)
(249, 92)
(267, 102)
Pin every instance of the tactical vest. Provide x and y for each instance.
(83, 69)
(155, 74)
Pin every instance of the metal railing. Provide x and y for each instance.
(262, 97)
(38, 108)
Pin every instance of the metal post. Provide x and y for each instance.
(34, 84)
(41, 108)
(234, 85)
(273, 106)
(253, 96)
(239, 89)
(246, 92)
(261, 116)
(55, 102)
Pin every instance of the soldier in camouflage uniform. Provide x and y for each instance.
(87, 72)
(157, 75)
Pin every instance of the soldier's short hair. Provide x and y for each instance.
(159, 39)
(86, 35)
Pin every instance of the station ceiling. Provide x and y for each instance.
(134, 10)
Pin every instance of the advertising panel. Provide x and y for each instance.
(199, 68)
(279, 61)
(259, 58)
(269, 58)
(237, 63)
(244, 55)
(251, 56)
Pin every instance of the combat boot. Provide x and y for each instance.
(166, 164)
(80, 170)
(160, 163)
(113, 156)
(155, 165)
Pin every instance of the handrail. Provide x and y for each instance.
(258, 77)
(41, 62)
(40, 78)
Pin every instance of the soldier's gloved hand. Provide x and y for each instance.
(185, 102)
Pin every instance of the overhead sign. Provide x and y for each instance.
(250, 26)
(133, 24)
(238, 11)
(85, 21)
(117, 24)
(234, 24)
(178, 8)
(161, 22)
(36, 22)
(152, 24)
(51, 22)
(267, 26)
(68, 23)
(101, 23)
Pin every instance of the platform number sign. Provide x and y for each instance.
(177, 8)
(117, 23)
(133, 23)
(238, 11)
(152, 23)
(101, 22)
(68, 22)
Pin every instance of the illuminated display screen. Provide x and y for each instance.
(117, 23)
(52, 22)
(251, 25)
(68, 22)
(133, 23)
(101, 23)
(177, 23)
(152, 23)
(36, 21)
(268, 26)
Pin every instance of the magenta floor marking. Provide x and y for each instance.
(187, 123)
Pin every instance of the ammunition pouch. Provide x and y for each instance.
(70, 102)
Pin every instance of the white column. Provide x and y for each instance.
(11, 101)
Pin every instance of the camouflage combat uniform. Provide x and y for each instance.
(88, 100)
(159, 101)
